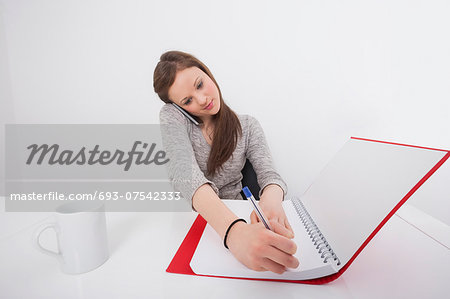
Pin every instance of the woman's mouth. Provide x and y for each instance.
(210, 106)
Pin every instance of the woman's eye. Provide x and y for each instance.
(188, 101)
(200, 84)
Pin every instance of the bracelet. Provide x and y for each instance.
(228, 230)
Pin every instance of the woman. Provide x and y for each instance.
(206, 162)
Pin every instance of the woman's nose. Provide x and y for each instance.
(202, 100)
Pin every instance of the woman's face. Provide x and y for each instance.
(194, 91)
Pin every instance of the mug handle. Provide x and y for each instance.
(37, 235)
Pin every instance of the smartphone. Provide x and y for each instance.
(186, 114)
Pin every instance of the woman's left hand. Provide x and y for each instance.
(270, 204)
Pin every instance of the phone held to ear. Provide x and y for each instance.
(186, 114)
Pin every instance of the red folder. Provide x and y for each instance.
(181, 261)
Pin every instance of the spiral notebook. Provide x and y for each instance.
(348, 203)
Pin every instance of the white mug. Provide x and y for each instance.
(81, 234)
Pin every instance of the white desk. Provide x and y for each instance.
(400, 262)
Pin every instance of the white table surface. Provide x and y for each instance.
(400, 262)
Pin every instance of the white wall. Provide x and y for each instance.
(313, 72)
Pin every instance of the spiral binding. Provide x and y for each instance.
(322, 246)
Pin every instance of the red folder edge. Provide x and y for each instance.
(180, 263)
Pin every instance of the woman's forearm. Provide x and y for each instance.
(212, 209)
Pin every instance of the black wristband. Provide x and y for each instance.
(228, 230)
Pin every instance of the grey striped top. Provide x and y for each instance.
(188, 152)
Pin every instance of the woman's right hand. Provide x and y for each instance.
(261, 249)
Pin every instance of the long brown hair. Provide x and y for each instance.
(227, 129)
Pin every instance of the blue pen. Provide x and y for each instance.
(258, 211)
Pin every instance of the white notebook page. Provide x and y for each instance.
(211, 257)
(360, 186)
